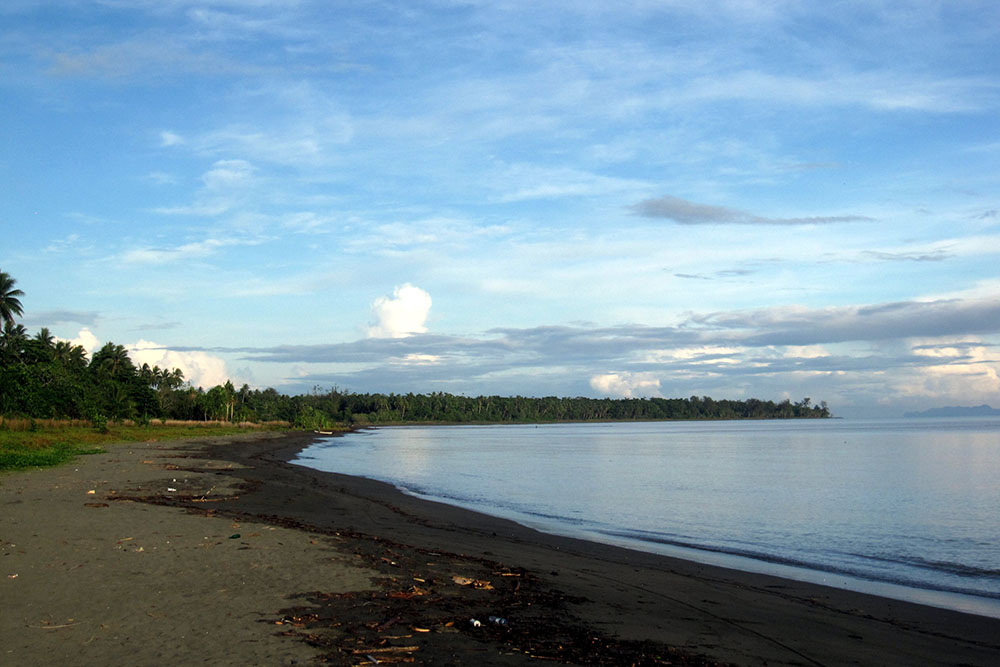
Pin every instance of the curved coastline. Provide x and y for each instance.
(741, 617)
(627, 599)
(861, 570)
(955, 600)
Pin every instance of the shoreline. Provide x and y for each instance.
(424, 569)
(944, 599)
(957, 598)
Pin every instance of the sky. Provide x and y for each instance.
(772, 199)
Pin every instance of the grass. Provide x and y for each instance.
(28, 443)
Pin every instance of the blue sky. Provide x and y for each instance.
(736, 199)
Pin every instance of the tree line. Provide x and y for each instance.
(41, 377)
(356, 408)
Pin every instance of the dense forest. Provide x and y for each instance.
(41, 377)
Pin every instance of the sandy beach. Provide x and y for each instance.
(221, 552)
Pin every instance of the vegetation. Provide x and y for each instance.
(42, 378)
(10, 305)
(440, 407)
(27, 443)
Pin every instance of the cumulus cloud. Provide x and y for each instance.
(686, 212)
(402, 314)
(86, 339)
(626, 385)
(200, 368)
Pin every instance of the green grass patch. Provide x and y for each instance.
(19, 457)
(54, 443)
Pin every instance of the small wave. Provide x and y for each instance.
(949, 567)
(857, 572)
(487, 505)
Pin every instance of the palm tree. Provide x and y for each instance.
(70, 355)
(13, 339)
(10, 305)
(45, 337)
(112, 361)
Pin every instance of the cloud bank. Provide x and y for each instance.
(863, 356)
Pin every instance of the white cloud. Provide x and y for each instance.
(697, 354)
(226, 174)
(420, 359)
(880, 90)
(521, 182)
(165, 255)
(225, 185)
(208, 210)
(400, 315)
(161, 178)
(193, 250)
(968, 372)
(806, 352)
(626, 385)
(200, 368)
(170, 139)
(86, 339)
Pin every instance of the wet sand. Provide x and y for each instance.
(221, 552)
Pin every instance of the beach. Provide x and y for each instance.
(219, 551)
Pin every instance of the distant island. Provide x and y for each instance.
(957, 411)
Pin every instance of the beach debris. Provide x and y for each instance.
(382, 627)
(387, 654)
(497, 620)
(475, 622)
(12, 576)
(386, 649)
(171, 489)
(415, 591)
(480, 584)
(91, 492)
(234, 536)
(298, 621)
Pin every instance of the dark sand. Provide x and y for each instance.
(252, 560)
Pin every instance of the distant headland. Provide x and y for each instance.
(957, 411)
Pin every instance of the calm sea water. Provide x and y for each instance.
(907, 509)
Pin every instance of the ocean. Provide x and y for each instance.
(908, 509)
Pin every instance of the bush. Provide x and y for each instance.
(100, 423)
